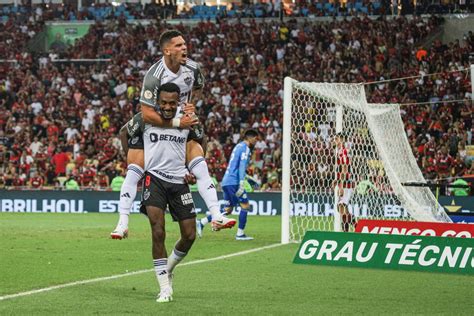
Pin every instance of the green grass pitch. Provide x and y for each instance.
(42, 250)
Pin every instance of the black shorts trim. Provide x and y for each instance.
(165, 195)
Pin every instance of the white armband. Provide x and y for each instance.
(175, 122)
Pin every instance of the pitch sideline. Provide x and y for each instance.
(118, 276)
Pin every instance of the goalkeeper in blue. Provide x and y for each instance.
(233, 184)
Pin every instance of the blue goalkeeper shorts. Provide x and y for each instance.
(230, 199)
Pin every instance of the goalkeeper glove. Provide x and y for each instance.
(241, 189)
(253, 182)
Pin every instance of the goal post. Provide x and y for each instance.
(380, 160)
(286, 157)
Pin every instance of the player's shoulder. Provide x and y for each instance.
(156, 68)
(242, 146)
(191, 64)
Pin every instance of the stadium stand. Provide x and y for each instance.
(60, 119)
(169, 10)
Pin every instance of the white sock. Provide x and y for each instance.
(240, 232)
(161, 272)
(206, 188)
(128, 192)
(123, 220)
(204, 220)
(175, 258)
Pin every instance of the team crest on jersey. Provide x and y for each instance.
(148, 94)
(135, 140)
(188, 81)
(146, 194)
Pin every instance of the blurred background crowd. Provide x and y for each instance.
(59, 120)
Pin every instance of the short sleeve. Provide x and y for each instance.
(149, 88)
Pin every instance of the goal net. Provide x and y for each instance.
(380, 160)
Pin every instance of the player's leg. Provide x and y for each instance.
(244, 209)
(181, 207)
(156, 217)
(135, 161)
(197, 165)
(230, 200)
(182, 246)
(154, 202)
(346, 216)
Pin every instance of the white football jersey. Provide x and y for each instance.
(165, 152)
(189, 77)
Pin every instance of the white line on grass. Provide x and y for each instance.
(118, 276)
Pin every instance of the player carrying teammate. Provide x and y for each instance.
(164, 187)
(174, 67)
(233, 184)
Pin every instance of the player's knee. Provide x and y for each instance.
(246, 208)
(190, 236)
(158, 233)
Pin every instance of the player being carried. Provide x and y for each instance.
(165, 188)
(233, 184)
(174, 67)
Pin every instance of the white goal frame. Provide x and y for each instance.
(407, 196)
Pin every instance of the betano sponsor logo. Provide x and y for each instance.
(434, 254)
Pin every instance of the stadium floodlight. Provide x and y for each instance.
(381, 160)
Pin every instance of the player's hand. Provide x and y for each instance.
(188, 121)
(253, 182)
(189, 108)
(190, 178)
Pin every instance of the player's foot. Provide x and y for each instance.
(199, 227)
(165, 296)
(120, 232)
(223, 223)
(243, 237)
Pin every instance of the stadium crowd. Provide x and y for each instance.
(169, 9)
(59, 120)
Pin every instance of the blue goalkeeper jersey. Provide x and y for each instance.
(239, 160)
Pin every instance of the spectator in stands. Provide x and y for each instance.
(59, 161)
(36, 181)
(462, 187)
(272, 185)
(117, 182)
(71, 183)
(58, 45)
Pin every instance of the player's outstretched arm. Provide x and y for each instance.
(150, 116)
